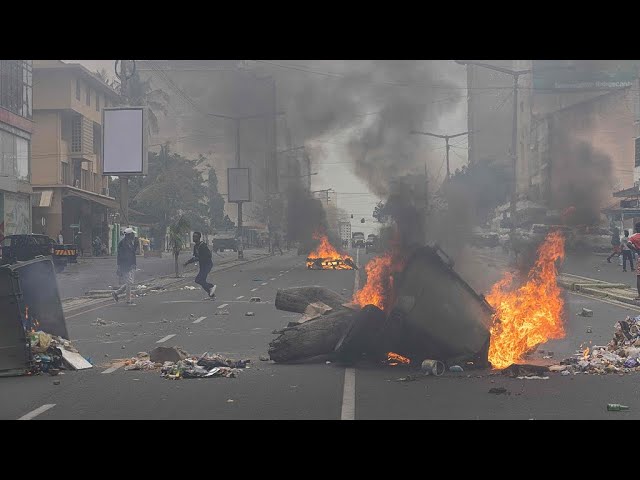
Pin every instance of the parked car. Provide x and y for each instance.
(19, 248)
(224, 241)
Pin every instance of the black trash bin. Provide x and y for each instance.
(31, 284)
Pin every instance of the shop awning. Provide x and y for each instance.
(108, 202)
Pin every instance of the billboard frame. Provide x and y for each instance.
(145, 143)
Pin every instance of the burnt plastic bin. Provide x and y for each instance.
(441, 317)
(32, 283)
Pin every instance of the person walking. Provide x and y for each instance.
(615, 243)
(202, 255)
(627, 253)
(126, 265)
(60, 238)
(276, 244)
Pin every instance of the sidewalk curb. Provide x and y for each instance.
(178, 280)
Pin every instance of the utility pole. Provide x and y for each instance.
(240, 241)
(446, 138)
(124, 76)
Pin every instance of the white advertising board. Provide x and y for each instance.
(124, 141)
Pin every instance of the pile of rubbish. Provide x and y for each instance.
(50, 354)
(183, 365)
(620, 355)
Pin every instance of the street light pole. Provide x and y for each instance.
(446, 138)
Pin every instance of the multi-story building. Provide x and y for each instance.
(16, 126)
(345, 231)
(72, 196)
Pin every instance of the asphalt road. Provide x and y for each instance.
(272, 391)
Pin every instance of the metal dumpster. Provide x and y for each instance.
(29, 284)
(436, 314)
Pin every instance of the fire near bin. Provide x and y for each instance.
(436, 314)
(29, 284)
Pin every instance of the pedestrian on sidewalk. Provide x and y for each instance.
(202, 255)
(126, 265)
(615, 243)
(627, 253)
(276, 244)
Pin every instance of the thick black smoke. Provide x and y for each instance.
(581, 177)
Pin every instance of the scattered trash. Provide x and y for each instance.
(264, 358)
(255, 299)
(229, 401)
(235, 284)
(557, 368)
(75, 360)
(533, 377)
(498, 390)
(99, 321)
(222, 312)
(586, 313)
(433, 367)
(327, 362)
(455, 368)
(52, 353)
(616, 407)
(205, 366)
(565, 373)
(525, 371)
(56, 382)
(249, 314)
(142, 354)
(191, 315)
(167, 354)
(257, 279)
(621, 355)
(123, 347)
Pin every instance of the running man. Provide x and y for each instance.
(202, 255)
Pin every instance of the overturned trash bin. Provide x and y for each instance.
(436, 314)
(29, 301)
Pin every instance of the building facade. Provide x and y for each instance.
(70, 194)
(16, 127)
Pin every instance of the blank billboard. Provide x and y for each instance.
(239, 184)
(124, 141)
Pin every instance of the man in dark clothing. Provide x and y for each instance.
(202, 255)
(126, 265)
(634, 244)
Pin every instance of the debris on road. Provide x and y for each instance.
(498, 390)
(249, 314)
(621, 355)
(264, 358)
(255, 299)
(525, 371)
(616, 407)
(222, 312)
(167, 354)
(586, 313)
(49, 352)
(456, 368)
(188, 287)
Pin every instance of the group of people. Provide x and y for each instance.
(126, 262)
(627, 247)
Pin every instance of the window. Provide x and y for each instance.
(97, 102)
(16, 81)
(76, 134)
(66, 173)
(22, 159)
(88, 98)
(77, 89)
(7, 154)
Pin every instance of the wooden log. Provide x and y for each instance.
(297, 299)
(311, 339)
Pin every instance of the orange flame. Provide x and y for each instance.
(331, 258)
(531, 314)
(378, 290)
(396, 358)
(585, 353)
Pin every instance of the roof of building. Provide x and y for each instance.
(52, 65)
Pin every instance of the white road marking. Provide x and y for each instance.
(162, 340)
(187, 301)
(264, 283)
(272, 278)
(254, 289)
(349, 395)
(114, 368)
(37, 411)
(199, 319)
(349, 387)
(223, 305)
(241, 296)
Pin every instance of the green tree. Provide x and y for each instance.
(141, 93)
(216, 201)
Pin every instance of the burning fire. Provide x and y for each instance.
(326, 257)
(531, 314)
(379, 287)
(396, 358)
